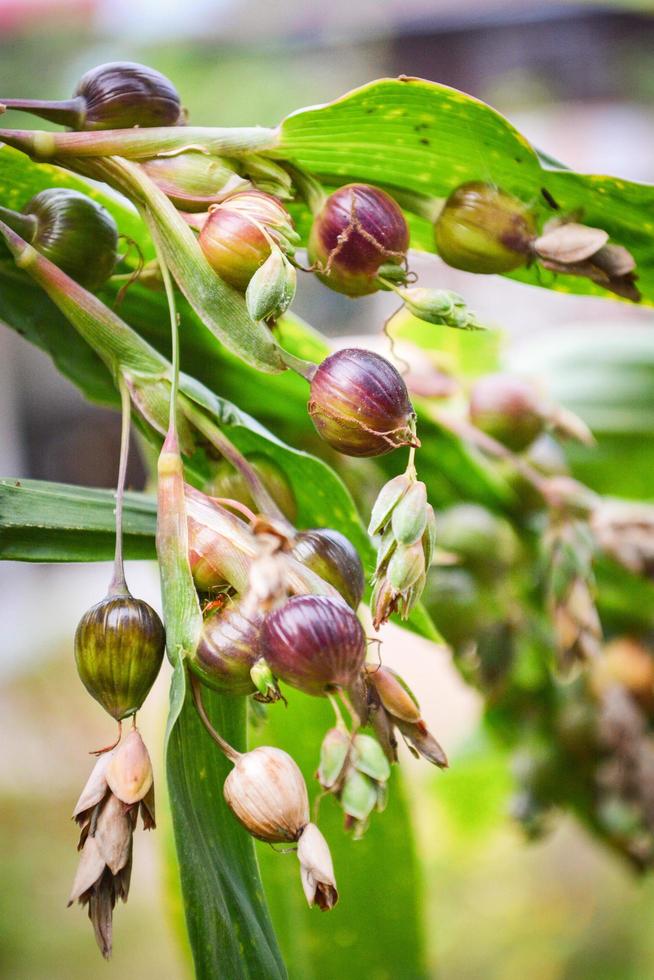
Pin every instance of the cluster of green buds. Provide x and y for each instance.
(438, 306)
(600, 729)
(355, 770)
(406, 526)
(354, 766)
(569, 548)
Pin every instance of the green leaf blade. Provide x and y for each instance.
(228, 924)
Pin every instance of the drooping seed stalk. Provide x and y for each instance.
(66, 112)
(24, 225)
(118, 585)
(310, 189)
(224, 746)
(306, 369)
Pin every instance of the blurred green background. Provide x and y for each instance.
(578, 80)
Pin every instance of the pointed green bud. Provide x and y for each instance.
(429, 536)
(406, 566)
(359, 796)
(334, 751)
(271, 289)
(440, 306)
(387, 546)
(368, 757)
(267, 176)
(411, 596)
(382, 797)
(264, 681)
(389, 496)
(409, 517)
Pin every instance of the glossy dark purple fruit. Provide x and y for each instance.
(358, 230)
(331, 555)
(360, 405)
(315, 643)
(117, 95)
(228, 648)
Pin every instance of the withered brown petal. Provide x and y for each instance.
(89, 869)
(95, 788)
(571, 243)
(424, 742)
(113, 834)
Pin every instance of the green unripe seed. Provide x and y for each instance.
(119, 647)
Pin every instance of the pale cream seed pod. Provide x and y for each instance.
(316, 869)
(266, 792)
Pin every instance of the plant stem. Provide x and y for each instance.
(118, 585)
(306, 369)
(140, 144)
(24, 225)
(225, 747)
(469, 433)
(337, 711)
(174, 341)
(238, 506)
(311, 190)
(227, 449)
(67, 112)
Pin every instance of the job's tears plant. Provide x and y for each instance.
(260, 593)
